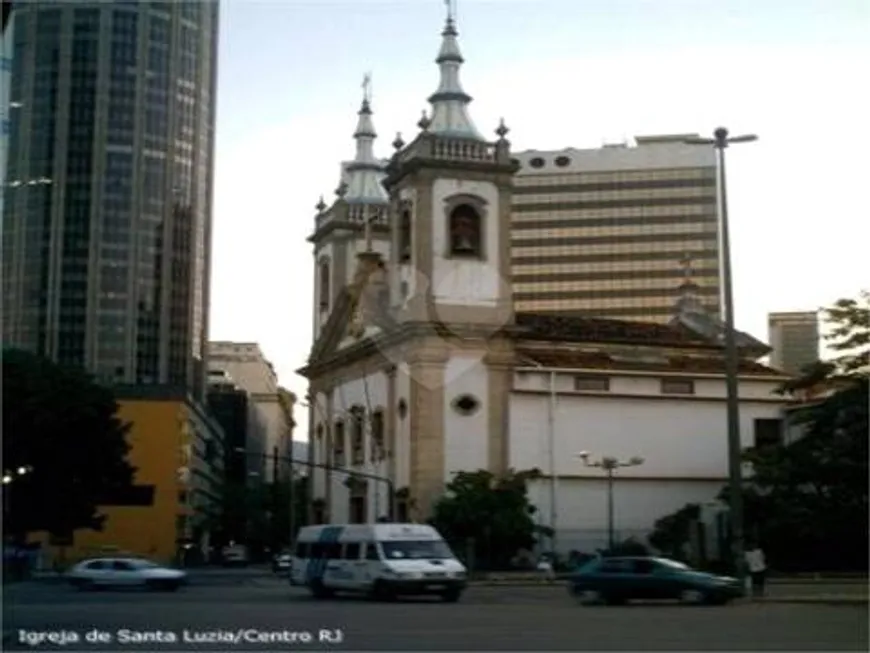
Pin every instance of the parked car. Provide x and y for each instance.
(119, 572)
(282, 563)
(235, 555)
(618, 580)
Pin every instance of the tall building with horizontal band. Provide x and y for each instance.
(607, 232)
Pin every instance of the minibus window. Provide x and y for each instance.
(372, 551)
(351, 551)
(302, 549)
(333, 551)
(318, 550)
(407, 549)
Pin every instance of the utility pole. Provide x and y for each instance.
(720, 141)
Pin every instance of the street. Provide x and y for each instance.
(274, 616)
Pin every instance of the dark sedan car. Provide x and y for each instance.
(618, 580)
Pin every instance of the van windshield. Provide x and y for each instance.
(413, 550)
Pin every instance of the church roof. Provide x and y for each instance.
(595, 329)
(695, 364)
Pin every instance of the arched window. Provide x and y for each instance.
(324, 284)
(319, 448)
(338, 445)
(465, 232)
(405, 236)
(357, 435)
(378, 452)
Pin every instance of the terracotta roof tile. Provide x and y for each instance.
(604, 361)
(593, 329)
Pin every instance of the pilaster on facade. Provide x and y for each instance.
(427, 431)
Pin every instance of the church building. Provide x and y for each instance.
(421, 367)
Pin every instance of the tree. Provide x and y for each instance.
(672, 532)
(849, 321)
(490, 513)
(63, 427)
(814, 489)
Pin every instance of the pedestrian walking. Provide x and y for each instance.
(757, 567)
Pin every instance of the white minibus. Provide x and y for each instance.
(381, 560)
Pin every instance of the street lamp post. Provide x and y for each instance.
(610, 464)
(720, 142)
(312, 465)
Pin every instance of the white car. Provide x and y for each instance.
(124, 572)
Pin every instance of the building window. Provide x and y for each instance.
(537, 162)
(402, 511)
(466, 405)
(768, 433)
(405, 236)
(357, 435)
(678, 387)
(338, 444)
(592, 383)
(402, 408)
(378, 452)
(358, 510)
(562, 161)
(324, 284)
(466, 232)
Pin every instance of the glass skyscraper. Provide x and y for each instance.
(107, 216)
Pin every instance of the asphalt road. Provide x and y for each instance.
(487, 618)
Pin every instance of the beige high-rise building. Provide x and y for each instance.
(272, 431)
(794, 338)
(612, 232)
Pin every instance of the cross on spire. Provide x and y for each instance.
(451, 9)
(686, 263)
(369, 217)
(367, 87)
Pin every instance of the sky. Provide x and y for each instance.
(562, 73)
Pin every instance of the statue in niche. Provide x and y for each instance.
(465, 231)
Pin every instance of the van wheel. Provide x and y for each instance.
(451, 596)
(318, 591)
(380, 592)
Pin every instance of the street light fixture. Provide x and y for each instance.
(610, 464)
(719, 142)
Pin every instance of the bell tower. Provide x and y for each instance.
(450, 198)
(355, 222)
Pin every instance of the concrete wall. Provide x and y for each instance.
(466, 446)
(683, 441)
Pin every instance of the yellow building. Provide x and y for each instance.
(177, 452)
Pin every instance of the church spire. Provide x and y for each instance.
(365, 172)
(365, 133)
(450, 102)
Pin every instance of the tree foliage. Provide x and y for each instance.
(849, 322)
(671, 533)
(61, 425)
(490, 513)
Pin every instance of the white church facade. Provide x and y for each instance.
(422, 368)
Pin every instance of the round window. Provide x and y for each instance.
(466, 405)
(562, 161)
(537, 162)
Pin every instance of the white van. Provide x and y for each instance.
(382, 560)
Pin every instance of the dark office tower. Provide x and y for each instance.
(107, 216)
